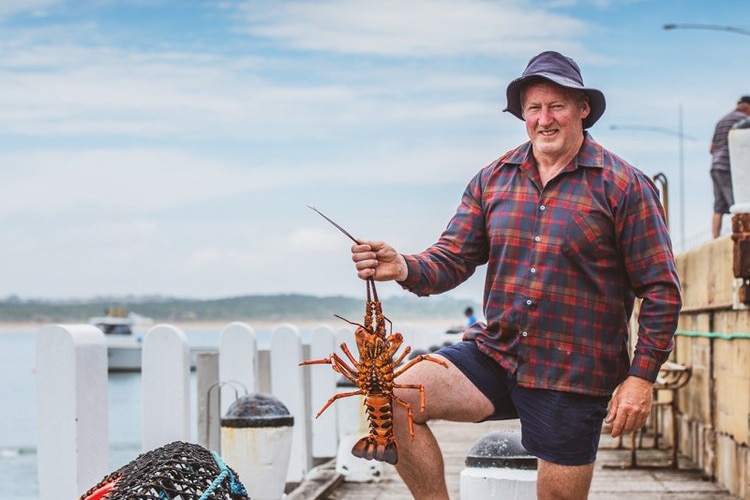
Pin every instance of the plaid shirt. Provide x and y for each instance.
(564, 264)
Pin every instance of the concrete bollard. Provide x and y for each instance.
(353, 425)
(498, 467)
(256, 441)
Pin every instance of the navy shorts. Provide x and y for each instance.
(723, 193)
(560, 427)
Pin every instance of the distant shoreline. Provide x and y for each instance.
(30, 325)
(218, 325)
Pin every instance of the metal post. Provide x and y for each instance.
(681, 137)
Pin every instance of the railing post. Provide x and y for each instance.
(287, 384)
(209, 414)
(322, 387)
(238, 352)
(72, 441)
(165, 378)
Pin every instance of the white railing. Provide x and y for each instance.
(72, 395)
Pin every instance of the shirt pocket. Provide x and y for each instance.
(586, 236)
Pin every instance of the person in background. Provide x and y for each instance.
(571, 235)
(470, 318)
(721, 175)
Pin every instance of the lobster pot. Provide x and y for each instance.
(739, 158)
(353, 425)
(499, 467)
(256, 438)
(175, 470)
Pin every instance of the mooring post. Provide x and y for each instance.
(498, 467)
(256, 439)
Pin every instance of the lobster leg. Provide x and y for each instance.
(410, 413)
(401, 356)
(413, 386)
(417, 359)
(338, 365)
(349, 355)
(335, 397)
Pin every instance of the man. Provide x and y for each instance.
(470, 318)
(570, 234)
(721, 174)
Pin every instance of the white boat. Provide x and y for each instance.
(123, 346)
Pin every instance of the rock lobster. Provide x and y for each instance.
(374, 374)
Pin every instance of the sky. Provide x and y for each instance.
(171, 147)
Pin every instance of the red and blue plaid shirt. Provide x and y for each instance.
(564, 265)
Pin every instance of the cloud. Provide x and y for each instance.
(118, 180)
(102, 92)
(418, 28)
(9, 8)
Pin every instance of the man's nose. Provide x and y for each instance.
(545, 116)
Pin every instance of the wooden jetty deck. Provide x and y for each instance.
(609, 483)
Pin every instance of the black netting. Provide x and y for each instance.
(177, 470)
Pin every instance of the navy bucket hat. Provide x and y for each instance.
(560, 70)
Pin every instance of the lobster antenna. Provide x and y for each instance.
(350, 322)
(355, 240)
(370, 281)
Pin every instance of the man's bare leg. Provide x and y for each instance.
(716, 225)
(420, 464)
(563, 482)
(449, 396)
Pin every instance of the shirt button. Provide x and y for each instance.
(524, 334)
(542, 207)
(537, 238)
(532, 270)
(529, 302)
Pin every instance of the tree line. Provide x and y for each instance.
(251, 307)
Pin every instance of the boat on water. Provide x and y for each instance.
(117, 321)
(124, 346)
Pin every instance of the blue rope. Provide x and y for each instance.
(236, 487)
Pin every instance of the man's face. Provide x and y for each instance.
(553, 118)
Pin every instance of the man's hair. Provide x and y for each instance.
(579, 96)
(745, 99)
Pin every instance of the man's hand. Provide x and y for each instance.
(375, 259)
(630, 406)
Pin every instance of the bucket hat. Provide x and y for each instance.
(560, 70)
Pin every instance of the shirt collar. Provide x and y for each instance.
(591, 154)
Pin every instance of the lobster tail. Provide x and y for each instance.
(371, 449)
(379, 444)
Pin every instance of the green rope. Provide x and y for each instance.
(713, 335)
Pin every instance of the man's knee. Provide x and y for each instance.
(563, 482)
